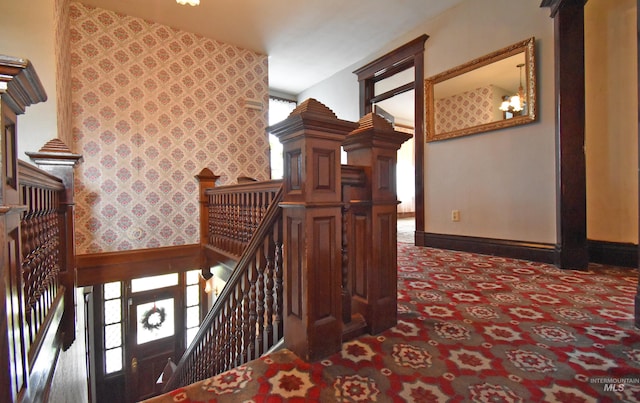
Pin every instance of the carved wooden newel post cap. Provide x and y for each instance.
(374, 131)
(55, 152)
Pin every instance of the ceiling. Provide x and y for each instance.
(307, 40)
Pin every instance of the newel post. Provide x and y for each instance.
(206, 180)
(374, 287)
(57, 159)
(312, 218)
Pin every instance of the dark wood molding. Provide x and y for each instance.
(613, 253)
(603, 252)
(99, 268)
(555, 5)
(571, 205)
(535, 251)
(637, 296)
(388, 61)
(406, 56)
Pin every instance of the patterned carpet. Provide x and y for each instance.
(471, 328)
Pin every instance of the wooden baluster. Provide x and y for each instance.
(255, 273)
(226, 217)
(260, 295)
(346, 295)
(243, 316)
(250, 215)
(255, 212)
(234, 220)
(213, 219)
(242, 228)
(279, 306)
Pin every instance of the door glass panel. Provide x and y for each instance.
(112, 311)
(193, 277)
(112, 290)
(191, 334)
(112, 336)
(192, 302)
(113, 360)
(193, 316)
(112, 296)
(155, 320)
(153, 282)
(193, 295)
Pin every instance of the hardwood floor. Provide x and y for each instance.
(406, 230)
(69, 383)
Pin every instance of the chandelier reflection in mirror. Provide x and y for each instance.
(189, 2)
(517, 102)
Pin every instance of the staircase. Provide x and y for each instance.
(313, 256)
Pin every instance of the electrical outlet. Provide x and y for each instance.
(455, 215)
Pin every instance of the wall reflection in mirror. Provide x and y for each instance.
(492, 92)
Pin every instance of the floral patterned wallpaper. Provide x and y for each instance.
(469, 108)
(63, 72)
(151, 107)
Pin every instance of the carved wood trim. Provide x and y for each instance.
(19, 84)
(99, 268)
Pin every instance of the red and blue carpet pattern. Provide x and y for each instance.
(471, 328)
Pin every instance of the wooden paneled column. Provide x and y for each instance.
(374, 287)
(571, 199)
(206, 180)
(311, 137)
(57, 159)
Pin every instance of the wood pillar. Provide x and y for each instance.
(637, 298)
(571, 205)
(57, 159)
(206, 180)
(311, 137)
(374, 287)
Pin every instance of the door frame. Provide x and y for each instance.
(153, 348)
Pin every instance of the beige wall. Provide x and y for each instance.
(611, 120)
(27, 31)
(502, 182)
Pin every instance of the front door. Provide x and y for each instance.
(155, 332)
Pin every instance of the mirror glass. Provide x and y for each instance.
(492, 92)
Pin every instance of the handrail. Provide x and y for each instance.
(246, 318)
(234, 214)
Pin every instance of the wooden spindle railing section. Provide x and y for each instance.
(41, 247)
(246, 319)
(354, 191)
(235, 212)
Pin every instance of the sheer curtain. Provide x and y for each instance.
(279, 110)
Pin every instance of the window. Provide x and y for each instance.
(279, 110)
(112, 293)
(192, 305)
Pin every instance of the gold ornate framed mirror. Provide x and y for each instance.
(492, 92)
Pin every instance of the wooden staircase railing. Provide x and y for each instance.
(321, 263)
(37, 275)
(246, 318)
(234, 214)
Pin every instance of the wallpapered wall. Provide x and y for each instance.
(469, 108)
(63, 71)
(152, 106)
